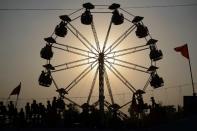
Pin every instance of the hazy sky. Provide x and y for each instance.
(22, 34)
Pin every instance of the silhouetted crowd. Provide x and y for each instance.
(54, 114)
(57, 114)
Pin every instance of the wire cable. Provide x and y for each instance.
(161, 6)
(71, 9)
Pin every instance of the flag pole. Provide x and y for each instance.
(185, 52)
(194, 94)
(16, 101)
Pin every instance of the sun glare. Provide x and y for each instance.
(103, 53)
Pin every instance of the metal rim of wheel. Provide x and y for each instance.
(101, 56)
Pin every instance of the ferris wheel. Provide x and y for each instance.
(105, 58)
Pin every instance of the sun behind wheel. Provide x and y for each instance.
(104, 58)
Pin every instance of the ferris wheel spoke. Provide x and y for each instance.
(124, 81)
(54, 82)
(107, 104)
(74, 52)
(130, 52)
(75, 18)
(95, 103)
(77, 36)
(134, 66)
(74, 66)
(109, 87)
(147, 83)
(75, 11)
(95, 36)
(120, 39)
(93, 85)
(74, 48)
(125, 104)
(128, 20)
(107, 36)
(128, 67)
(72, 62)
(126, 62)
(71, 101)
(81, 38)
(126, 12)
(126, 49)
(80, 76)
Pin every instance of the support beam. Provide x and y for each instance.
(101, 82)
(131, 52)
(92, 86)
(107, 36)
(121, 78)
(95, 36)
(73, 66)
(72, 62)
(119, 39)
(127, 49)
(70, 51)
(81, 38)
(80, 77)
(109, 87)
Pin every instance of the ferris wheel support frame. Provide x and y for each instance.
(101, 59)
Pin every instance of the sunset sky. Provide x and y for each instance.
(22, 33)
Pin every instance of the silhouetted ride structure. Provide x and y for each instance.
(103, 59)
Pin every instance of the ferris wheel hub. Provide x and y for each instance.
(101, 57)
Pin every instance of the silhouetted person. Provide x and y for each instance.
(71, 116)
(34, 111)
(49, 107)
(34, 107)
(42, 113)
(21, 118)
(28, 111)
(134, 105)
(140, 104)
(3, 112)
(52, 114)
(11, 109)
(54, 103)
(60, 104)
(14, 120)
(49, 113)
(153, 102)
(85, 116)
(94, 117)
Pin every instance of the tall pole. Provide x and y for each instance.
(185, 52)
(16, 101)
(194, 94)
(101, 82)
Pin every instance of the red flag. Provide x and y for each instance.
(183, 50)
(16, 90)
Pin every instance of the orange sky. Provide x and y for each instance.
(22, 34)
